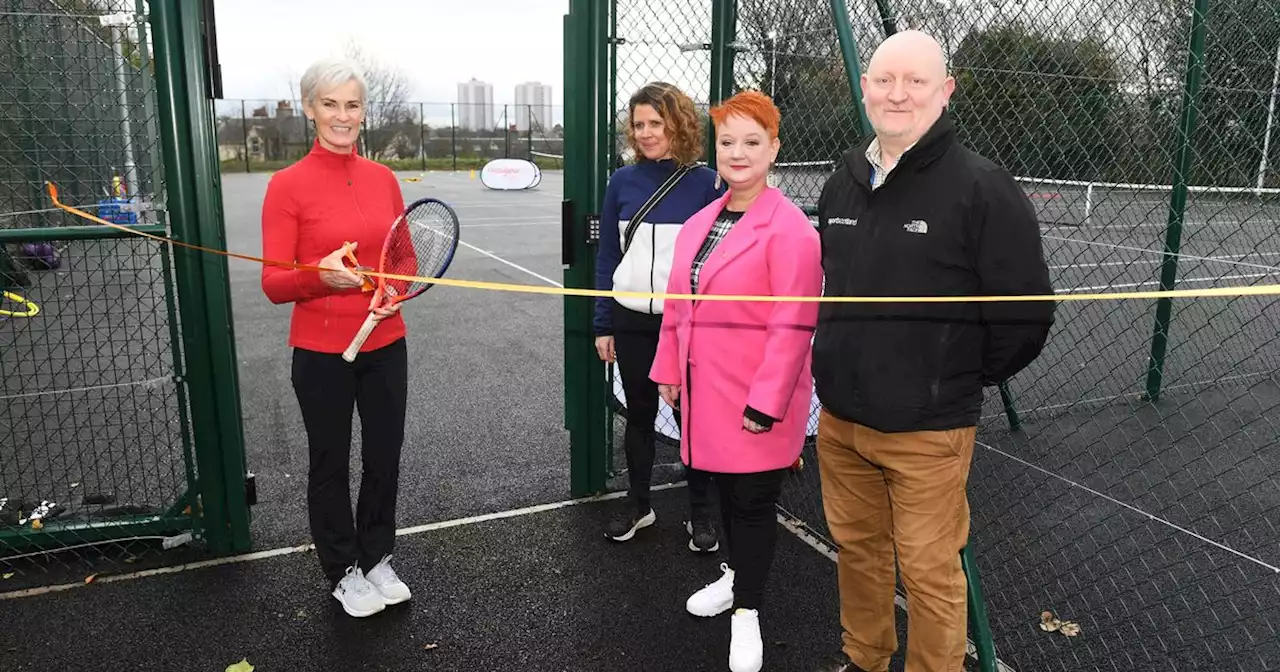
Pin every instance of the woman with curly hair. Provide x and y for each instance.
(645, 205)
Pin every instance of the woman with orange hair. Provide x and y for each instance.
(739, 370)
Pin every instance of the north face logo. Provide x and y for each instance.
(843, 221)
(917, 226)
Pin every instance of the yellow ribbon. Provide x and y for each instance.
(1254, 290)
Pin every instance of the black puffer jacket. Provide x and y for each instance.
(946, 222)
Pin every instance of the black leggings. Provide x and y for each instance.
(328, 389)
(748, 511)
(635, 343)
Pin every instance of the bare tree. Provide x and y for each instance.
(387, 114)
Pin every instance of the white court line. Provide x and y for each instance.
(1113, 397)
(485, 205)
(518, 267)
(1150, 516)
(1118, 228)
(527, 224)
(1156, 282)
(91, 388)
(1220, 257)
(290, 550)
(1146, 250)
(498, 222)
(540, 218)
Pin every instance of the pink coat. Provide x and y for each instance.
(727, 355)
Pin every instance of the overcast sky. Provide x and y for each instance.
(264, 44)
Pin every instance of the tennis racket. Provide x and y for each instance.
(421, 243)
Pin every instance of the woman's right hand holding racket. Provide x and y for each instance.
(337, 275)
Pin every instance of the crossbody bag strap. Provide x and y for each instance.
(657, 196)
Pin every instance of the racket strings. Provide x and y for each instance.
(422, 245)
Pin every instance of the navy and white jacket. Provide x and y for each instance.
(647, 264)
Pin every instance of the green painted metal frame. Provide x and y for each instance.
(724, 23)
(194, 205)
(1178, 197)
(587, 55)
(979, 624)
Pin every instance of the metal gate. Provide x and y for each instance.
(120, 429)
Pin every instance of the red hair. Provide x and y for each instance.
(753, 105)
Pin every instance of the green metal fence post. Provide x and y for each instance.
(191, 171)
(586, 57)
(217, 275)
(210, 502)
(1178, 199)
(852, 66)
(979, 624)
(887, 20)
(724, 15)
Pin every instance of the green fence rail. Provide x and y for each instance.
(120, 422)
(1128, 480)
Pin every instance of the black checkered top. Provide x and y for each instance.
(719, 230)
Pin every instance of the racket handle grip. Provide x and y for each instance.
(361, 337)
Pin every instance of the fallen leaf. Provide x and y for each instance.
(36, 524)
(75, 485)
(8, 576)
(90, 578)
(242, 666)
(1049, 623)
(430, 646)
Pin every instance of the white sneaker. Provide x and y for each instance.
(746, 651)
(384, 578)
(714, 598)
(358, 597)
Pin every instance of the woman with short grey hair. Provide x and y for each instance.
(329, 206)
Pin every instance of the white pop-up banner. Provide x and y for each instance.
(509, 174)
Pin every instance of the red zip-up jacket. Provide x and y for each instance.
(312, 208)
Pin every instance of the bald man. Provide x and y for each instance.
(911, 212)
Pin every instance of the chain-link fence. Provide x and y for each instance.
(267, 135)
(1133, 485)
(95, 452)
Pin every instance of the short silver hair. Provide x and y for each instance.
(328, 73)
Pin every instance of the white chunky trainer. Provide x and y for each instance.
(714, 598)
(746, 650)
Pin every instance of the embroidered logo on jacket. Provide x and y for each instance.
(917, 226)
(843, 221)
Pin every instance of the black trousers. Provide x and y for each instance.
(328, 390)
(635, 343)
(748, 512)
